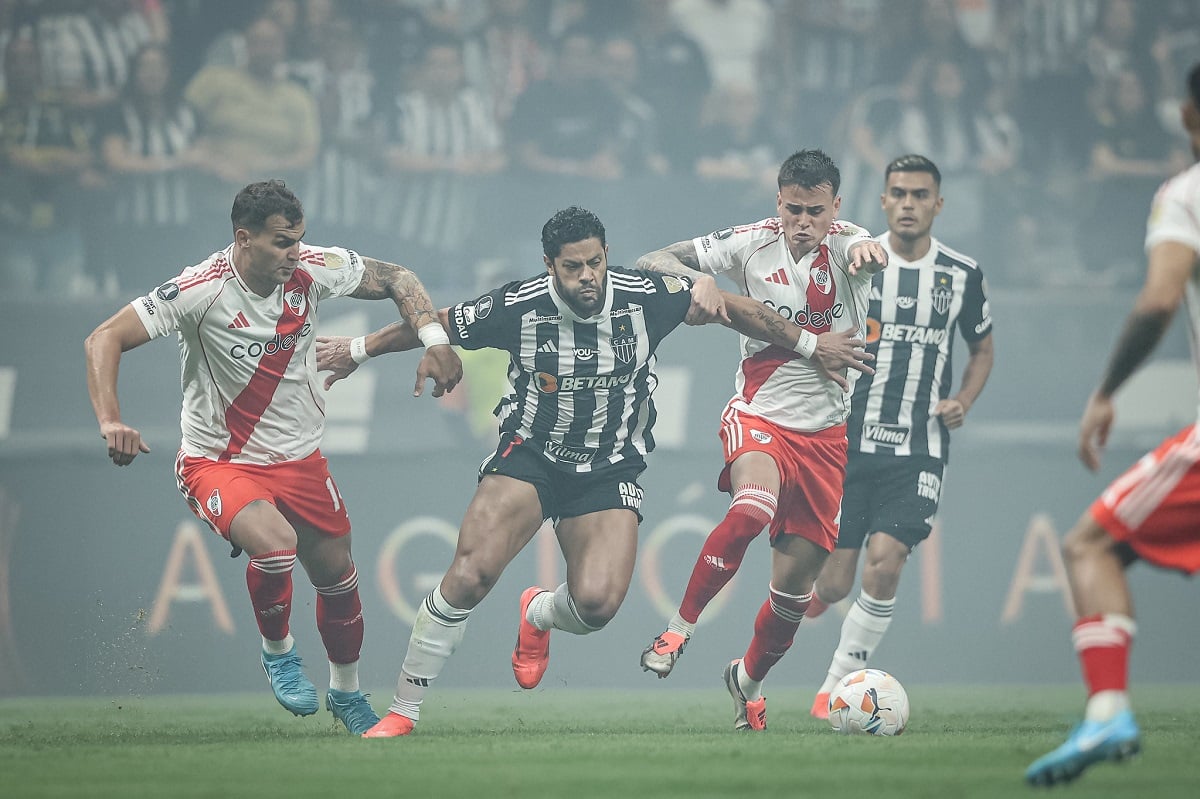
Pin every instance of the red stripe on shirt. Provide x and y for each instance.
(247, 409)
(820, 301)
(759, 367)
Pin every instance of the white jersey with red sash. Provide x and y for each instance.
(817, 293)
(250, 387)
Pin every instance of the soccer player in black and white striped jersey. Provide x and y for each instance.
(574, 430)
(901, 416)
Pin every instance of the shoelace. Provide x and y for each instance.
(357, 711)
(286, 671)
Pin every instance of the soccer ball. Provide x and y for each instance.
(868, 701)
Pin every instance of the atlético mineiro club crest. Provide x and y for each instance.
(625, 348)
(942, 294)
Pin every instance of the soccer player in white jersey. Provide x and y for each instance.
(1150, 512)
(901, 416)
(574, 431)
(250, 464)
(785, 428)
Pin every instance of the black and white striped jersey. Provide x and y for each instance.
(913, 312)
(580, 388)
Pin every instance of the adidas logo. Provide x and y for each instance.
(716, 562)
(274, 610)
(860, 654)
(421, 682)
(548, 347)
(779, 277)
(239, 321)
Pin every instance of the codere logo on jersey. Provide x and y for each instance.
(270, 346)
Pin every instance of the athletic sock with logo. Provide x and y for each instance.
(862, 630)
(340, 622)
(751, 510)
(774, 630)
(436, 633)
(269, 581)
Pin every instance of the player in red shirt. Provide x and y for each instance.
(249, 463)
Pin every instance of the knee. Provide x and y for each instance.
(833, 588)
(596, 608)
(470, 580)
(1084, 541)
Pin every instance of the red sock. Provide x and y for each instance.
(752, 509)
(774, 629)
(1103, 643)
(269, 578)
(339, 618)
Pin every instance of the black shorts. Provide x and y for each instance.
(889, 494)
(566, 494)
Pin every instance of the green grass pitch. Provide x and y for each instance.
(575, 744)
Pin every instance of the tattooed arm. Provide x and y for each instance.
(680, 259)
(833, 352)
(382, 280)
(1170, 268)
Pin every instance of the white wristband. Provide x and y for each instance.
(432, 334)
(358, 349)
(807, 344)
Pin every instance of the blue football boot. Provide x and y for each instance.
(1090, 742)
(293, 690)
(352, 709)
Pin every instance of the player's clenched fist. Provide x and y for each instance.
(124, 443)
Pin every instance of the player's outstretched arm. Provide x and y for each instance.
(341, 355)
(1170, 267)
(103, 348)
(440, 362)
(682, 260)
(832, 353)
(867, 256)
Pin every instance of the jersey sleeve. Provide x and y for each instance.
(484, 322)
(975, 319)
(168, 309)
(672, 299)
(726, 250)
(336, 271)
(841, 237)
(1172, 217)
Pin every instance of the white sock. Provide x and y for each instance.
(279, 647)
(540, 612)
(566, 616)
(343, 676)
(678, 625)
(1103, 705)
(436, 633)
(862, 630)
(751, 689)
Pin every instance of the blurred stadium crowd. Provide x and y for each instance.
(412, 129)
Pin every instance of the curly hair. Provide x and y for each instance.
(568, 226)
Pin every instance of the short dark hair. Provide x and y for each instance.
(257, 202)
(569, 226)
(1194, 84)
(809, 169)
(913, 163)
